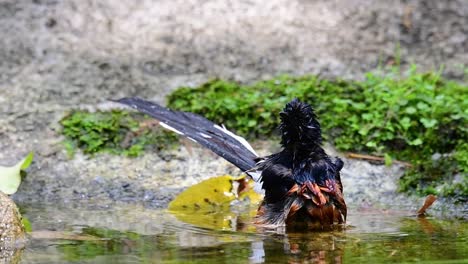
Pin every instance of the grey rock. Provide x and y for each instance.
(12, 233)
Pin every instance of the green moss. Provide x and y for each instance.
(410, 118)
(117, 132)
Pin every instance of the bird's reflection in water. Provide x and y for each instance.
(372, 234)
(305, 247)
(295, 244)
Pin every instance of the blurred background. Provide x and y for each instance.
(68, 52)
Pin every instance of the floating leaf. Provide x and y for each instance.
(208, 203)
(215, 194)
(10, 177)
(226, 220)
(430, 199)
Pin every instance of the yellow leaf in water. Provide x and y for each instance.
(225, 220)
(208, 203)
(214, 194)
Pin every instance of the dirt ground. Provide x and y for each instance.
(60, 55)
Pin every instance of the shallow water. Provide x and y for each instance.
(133, 234)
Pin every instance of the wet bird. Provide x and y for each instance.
(302, 184)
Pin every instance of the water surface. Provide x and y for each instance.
(133, 234)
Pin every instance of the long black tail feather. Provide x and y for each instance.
(221, 141)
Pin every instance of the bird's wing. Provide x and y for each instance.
(221, 141)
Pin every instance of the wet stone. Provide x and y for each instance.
(12, 233)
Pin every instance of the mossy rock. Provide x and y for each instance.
(117, 132)
(12, 232)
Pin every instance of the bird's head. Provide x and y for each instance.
(299, 125)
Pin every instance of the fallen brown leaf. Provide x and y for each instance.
(430, 199)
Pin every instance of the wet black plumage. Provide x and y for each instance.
(301, 180)
(302, 183)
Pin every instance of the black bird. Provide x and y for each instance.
(302, 183)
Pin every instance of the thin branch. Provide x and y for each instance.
(375, 158)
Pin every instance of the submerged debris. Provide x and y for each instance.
(430, 199)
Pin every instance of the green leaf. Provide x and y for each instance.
(428, 123)
(10, 177)
(388, 159)
(27, 161)
(27, 224)
(405, 122)
(410, 110)
(415, 142)
(403, 102)
(367, 116)
(252, 123)
(265, 115)
(363, 131)
(422, 106)
(359, 106)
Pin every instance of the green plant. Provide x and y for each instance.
(10, 177)
(117, 132)
(409, 118)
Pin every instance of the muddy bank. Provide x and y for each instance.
(56, 56)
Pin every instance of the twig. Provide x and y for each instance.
(375, 158)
